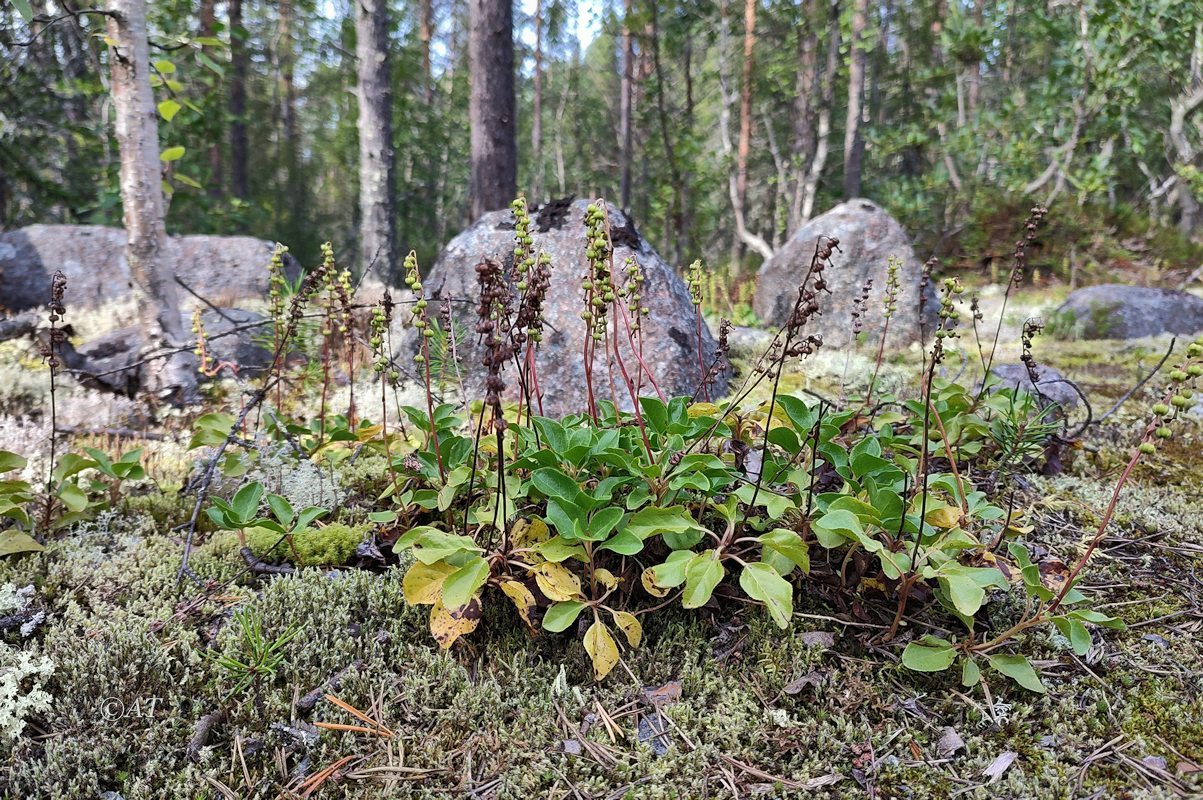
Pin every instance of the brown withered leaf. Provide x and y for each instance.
(950, 742)
(663, 695)
(447, 625)
(797, 685)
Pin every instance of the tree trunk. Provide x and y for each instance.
(805, 86)
(853, 143)
(675, 226)
(536, 125)
(810, 190)
(289, 187)
(745, 105)
(626, 108)
(425, 34)
(239, 148)
(727, 100)
(208, 28)
(494, 179)
(376, 217)
(136, 129)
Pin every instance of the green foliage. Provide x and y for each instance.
(256, 659)
(79, 488)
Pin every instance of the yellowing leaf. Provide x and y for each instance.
(523, 599)
(172, 153)
(602, 648)
(947, 517)
(702, 410)
(556, 582)
(447, 625)
(423, 583)
(606, 577)
(529, 534)
(168, 109)
(648, 579)
(629, 625)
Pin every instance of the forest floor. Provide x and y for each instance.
(716, 703)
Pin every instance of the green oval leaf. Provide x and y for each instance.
(929, 654)
(561, 615)
(1018, 669)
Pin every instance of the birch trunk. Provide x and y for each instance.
(376, 169)
(136, 128)
(853, 143)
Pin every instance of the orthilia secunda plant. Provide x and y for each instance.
(860, 309)
(694, 280)
(276, 286)
(421, 323)
(946, 330)
(379, 326)
(56, 335)
(1176, 397)
(1019, 263)
(888, 308)
(598, 292)
(532, 279)
(601, 297)
(336, 292)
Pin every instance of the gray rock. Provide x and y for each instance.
(111, 362)
(1115, 311)
(1052, 384)
(746, 342)
(670, 346)
(222, 269)
(868, 238)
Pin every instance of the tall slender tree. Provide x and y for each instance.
(854, 144)
(536, 122)
(491, 106)
(626, 107)
(239, 147)
(376, 170)
(136, 130)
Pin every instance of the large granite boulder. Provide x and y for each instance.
(222, 269)
(868, 238)
(669, 330)
(1115, 311)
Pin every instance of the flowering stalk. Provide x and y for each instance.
(378, 328)
(693, 278)
(889, 306)
(413, 280)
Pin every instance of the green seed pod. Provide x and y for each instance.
(1194, 370)
(1148, 448)
(1177, 376)
(1161, 409)
(1164, 432)
(1178, 401)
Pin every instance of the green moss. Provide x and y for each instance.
(331, 545)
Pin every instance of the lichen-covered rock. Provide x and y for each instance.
(868, 238)
(222, 269)
(669, 331)
(1052, 384)
(1115, 311)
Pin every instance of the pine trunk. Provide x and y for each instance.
(239, 148)
(491, 118)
